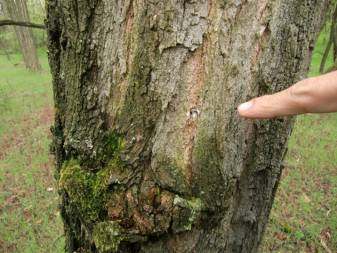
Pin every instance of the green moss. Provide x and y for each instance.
(89, 191)
(107, 236)
(114, 143)
(85, 189)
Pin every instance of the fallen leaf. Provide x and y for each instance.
(306, 198)
(280, 236)
(325, 246)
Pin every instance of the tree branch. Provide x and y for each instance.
(21, 23)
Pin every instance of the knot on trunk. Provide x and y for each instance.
(113, 211)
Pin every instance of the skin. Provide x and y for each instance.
(311, 95)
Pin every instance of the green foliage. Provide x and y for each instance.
(299, 235)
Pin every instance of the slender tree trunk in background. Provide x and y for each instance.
(334, 35)
(151, 155)
(4, 49)
(17, 10)
(332, 41)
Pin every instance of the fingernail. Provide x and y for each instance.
(245, 106)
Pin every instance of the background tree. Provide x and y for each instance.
(17, 11)
(3, 45)
(332, 41)
(151, 155)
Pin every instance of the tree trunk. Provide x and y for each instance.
(151, 155)
(17, 10)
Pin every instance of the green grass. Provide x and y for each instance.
(303, 219)
(304, 212)
(29, 219)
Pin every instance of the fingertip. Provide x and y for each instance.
(244, 108)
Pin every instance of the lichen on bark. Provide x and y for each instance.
(107, 236)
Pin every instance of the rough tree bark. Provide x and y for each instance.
(17, 10)
(151, 155)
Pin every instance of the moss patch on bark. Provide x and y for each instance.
(87, 190)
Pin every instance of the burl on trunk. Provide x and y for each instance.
(151, 155)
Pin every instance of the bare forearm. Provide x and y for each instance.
(318, 94)
(312, 95)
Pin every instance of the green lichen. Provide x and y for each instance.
(209, 179)
(141, 106)
(169, 175)
(189, 213)
(107, 236)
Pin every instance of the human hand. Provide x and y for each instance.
(312, 95)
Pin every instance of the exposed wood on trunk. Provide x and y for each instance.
(151, 155)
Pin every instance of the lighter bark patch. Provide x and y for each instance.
(129, 19)
(195, 73)
(263, 5)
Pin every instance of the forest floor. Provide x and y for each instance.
(303, 218)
